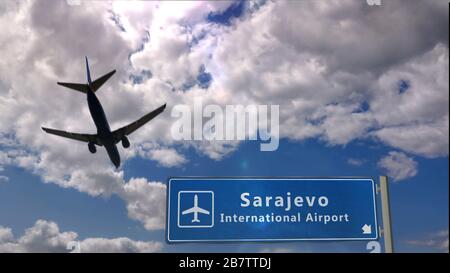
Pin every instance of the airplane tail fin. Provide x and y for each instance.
(87, 71)
(95, 85)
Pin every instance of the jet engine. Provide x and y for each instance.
(92, 148)
(125, 142)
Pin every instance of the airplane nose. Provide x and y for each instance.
(113, 155)
(117, 164)
(115, 158)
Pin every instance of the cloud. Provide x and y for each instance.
(217, 149)
(115, 245)
(429, 140)
(166, 157)
(398, 165)
(356, 161)
(320, 92)
(145, 202)
(417, 119)
(6, 235)
(322, 81)
(335, 79)
(4, 178)
(437, 241)
(45, 236)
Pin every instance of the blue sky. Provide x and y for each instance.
(351, 104)
(419, 204)
(223, 17)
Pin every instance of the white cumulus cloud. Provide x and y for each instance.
(398, 165)
(335, 79)
(45, 236)
(145, 202)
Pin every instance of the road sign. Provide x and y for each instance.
(270, 209)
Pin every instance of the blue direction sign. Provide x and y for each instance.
(271, 209)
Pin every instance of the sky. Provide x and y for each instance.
(363, 91)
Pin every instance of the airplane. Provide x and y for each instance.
(195, 210)
(104, 137)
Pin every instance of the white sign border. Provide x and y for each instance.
(196, 226)
(270, 240)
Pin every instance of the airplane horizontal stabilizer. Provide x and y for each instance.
(95, 85)
(83, 88)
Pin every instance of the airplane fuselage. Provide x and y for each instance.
(195, 217)
(105, 136)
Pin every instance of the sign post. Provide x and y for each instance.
(386, 215)
(238, 209)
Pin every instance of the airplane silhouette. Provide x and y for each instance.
(104, 137)
(195, 210)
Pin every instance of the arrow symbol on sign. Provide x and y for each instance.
(367, 229)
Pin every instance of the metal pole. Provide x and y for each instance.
(386, 214)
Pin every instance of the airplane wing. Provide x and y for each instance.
(130, 128)
(195, 209)
(75, 136)
(200, 210)
(191, 210)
